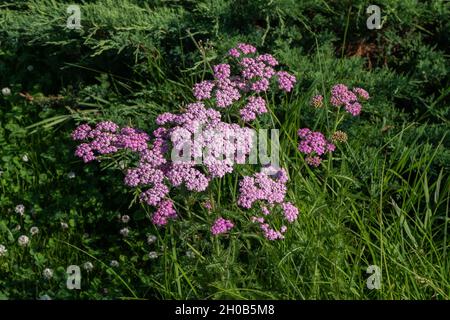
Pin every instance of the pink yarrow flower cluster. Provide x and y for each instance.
(255, 106)
(241, 48)
(313, 144)
(267, 189)
(201, 134)
(342, 96)
(216, 143)
(165, 211)
(105, 138)
(221, 225)
(254, 75)
(269, 232)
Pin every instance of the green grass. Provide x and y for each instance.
(381, 199)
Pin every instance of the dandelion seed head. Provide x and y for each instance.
(23, 241)
(34, 231)
(47, 273)
(114, 263)
(6, 91)
(20, 209)
(221, 225)
(3, 250)
(124, 232)
(88, 266)
(151, 239)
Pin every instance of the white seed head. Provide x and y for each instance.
(6, 91)
(114, 263)
(125, 232)
(125, 218)
(23, 241)
(3, 250)
(20, 209)
(151, 239)
(88, 266)
(34, 231)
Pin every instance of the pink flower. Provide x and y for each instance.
(261, 187)
(164, 212)
(81, 132)
(353, 108)
(271, 190)
(342, 96)
(217, 143)
(203, 90)
(222, 71)
(246, 48)
(254, 107)
(254, 75)
(314, 161)
(155, 194)
(107, 126)
(221, 225)
(165, 118)
(290, 211)
(133, 139)
(313, 142)
(85, 151)
(226, 96)
(361, 93)
(234, 53)
(252, 68)
(260, 85)
(267, 58)
(270, 233)
(208, 205)
(265, 211)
